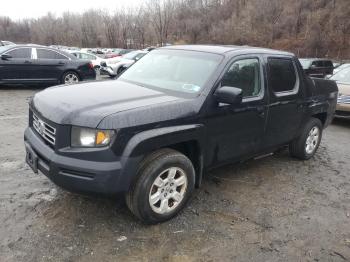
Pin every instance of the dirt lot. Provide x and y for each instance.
(272, 209)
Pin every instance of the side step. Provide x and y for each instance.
(262, 156)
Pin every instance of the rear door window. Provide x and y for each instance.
(20, 53)
(49, 54)
(282, 76)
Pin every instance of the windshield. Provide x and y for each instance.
(175, 70)
(342, 75)
(4, 48)
(305, 63)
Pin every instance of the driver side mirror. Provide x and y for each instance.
(229, 95)
(5, 57)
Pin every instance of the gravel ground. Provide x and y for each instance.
(272, 209)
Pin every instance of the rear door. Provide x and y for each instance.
(285, 111)
(18, 68)
(49, 64)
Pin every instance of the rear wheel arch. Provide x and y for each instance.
(67, 71)
(321, 116)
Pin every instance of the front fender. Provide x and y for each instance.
(150, 140)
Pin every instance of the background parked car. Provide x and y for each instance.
(342, 78)
(316, 67)
(95, 60)
(117, 66)
(118, 52)
(341, 67)
(28, 64)
(3, 43)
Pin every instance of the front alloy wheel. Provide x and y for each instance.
(168, 190)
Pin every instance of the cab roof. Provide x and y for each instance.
(223, 49)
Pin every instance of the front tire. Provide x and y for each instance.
(305, 146)
(166, 180)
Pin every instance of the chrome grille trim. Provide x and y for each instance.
(343, 99)
(44, 129)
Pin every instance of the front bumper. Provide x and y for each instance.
(342, 111)
(79, 175)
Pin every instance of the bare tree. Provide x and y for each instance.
(306, 27)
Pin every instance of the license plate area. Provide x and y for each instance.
(31, 158)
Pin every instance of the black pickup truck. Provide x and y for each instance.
(180, 111)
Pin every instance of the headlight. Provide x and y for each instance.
(88, 137)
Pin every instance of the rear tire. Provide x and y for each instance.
(70, 77)
(305, 146)
(165, 183)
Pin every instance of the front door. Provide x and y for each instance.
(236, 131)
(19, 67)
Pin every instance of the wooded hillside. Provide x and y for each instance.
(312, 28)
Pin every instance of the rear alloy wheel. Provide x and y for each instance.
(306, 145)
(312, 140)
(164, 185)
(70, 78)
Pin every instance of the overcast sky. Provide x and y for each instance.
(36, 8)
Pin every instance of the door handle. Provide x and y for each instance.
(261, 111)
(61, 63)
(27, 62)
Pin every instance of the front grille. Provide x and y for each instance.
(343, 99)
(44, 129)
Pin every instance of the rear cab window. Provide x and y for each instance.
(282, 75)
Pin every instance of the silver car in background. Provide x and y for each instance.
(116, 66)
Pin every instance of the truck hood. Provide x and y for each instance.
(87, 104)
